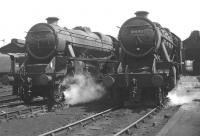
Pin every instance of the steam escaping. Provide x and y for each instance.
(185, 92)
(81, 89)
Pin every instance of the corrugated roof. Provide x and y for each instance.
(193, 41)
(15, 46)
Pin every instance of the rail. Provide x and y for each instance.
(11, 104)
(13, 114)
(68, 127)
(8, 98)
(126, 129)
(3, 96)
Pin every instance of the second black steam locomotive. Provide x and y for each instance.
(151, 60)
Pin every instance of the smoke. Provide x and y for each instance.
(81, 89)
(185, 92)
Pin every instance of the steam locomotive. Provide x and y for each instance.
(151, 61)
(54, 52)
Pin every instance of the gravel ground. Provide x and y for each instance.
(111, 123)
(119, 119)
(153, 125)
(43, 122)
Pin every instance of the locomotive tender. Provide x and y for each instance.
(10, 64)
(151, 60)
(11, 58)
(54, 52)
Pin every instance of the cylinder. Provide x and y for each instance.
(108, 81)
(157, 80)
(44, 79)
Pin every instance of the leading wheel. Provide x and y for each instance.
(118, 96)
(58, 94)
(56, 97)
(15, 90)
(25, 95)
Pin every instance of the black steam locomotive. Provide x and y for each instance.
(54, 52)
(151, 60)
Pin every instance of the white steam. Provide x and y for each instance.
(81, 89)
(185, 91)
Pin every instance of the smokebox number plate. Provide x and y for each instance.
(136, 32)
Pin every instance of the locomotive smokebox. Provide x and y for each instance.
(141, 14)
(52, 20)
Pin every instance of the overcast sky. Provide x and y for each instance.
(17, 16)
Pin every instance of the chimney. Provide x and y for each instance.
(52, 20)
(141, 14)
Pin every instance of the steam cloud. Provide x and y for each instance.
(81, 89)
(185, 91)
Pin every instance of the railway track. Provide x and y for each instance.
(63, 129)
(5, 93)
(20, 112)
(11, 104)
(4, 96)
(66, 129)
(8, 98)
(126, 130)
